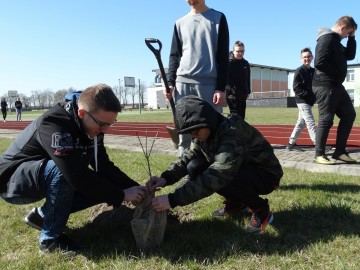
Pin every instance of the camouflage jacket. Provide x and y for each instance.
(233, 144)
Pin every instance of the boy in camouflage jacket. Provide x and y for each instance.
(227, 156)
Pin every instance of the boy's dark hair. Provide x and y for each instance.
(307, 49)
(99, 97)
(238, 43)
(348, 21)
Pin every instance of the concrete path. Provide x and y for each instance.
(289, 159)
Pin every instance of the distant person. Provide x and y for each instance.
(239, 87)
(226, 156)
(330, 72)
(305, 99)
(18, 107)
(61, 157)
(4, 108)
(198, 63)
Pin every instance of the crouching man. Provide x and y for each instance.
(50, 159)
(226, 156)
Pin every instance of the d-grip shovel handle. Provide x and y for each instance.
(149, 42)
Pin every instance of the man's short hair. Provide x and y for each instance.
(99, 97)
(238, 43)
(307, 49)
(348, 21)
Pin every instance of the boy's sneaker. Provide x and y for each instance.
(259, 219)
(34, 219)
(62, 244)
(294, 147)
(324, 160)
(230, 208)
(344, 157)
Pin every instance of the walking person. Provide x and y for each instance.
(61, 157)
(4, 108)
(239, 87)
(226, 156)
(18, 107)
(198, 62)
(305, 99)
(330, 72)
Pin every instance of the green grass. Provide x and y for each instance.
(316, 226)
(253, 116)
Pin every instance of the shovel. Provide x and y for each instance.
(172, 130)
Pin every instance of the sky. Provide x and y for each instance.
(58, 44)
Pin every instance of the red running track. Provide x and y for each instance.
(275, 134)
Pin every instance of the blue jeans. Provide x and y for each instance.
(60, 201)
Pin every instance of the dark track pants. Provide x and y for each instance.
(333, 101)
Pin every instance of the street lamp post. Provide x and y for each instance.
(119, 90)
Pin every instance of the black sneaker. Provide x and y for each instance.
(294, 147)
(33, 219)
(344, 157)
(230, 208)
(259, 219)
(62, 244)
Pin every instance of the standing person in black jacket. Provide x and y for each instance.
(330, 72)
(304, 98)
(50, 159)
(239, 86)
(4, 108)
(18, 107)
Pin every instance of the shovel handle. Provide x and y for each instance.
(149, 42)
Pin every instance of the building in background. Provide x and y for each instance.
(266, 82)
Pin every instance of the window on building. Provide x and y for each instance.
(350, 76)
(351, 94)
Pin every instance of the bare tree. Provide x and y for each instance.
(35, 97)
(142, 92)
(133, 92)
(49, 97)
(59, 96)
(123, 93)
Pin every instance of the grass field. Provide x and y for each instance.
(253, 116)
(316, 226)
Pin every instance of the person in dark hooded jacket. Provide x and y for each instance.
(331, 96)
(227, 156)
(61, 157)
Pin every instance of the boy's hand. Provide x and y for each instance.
(155, 183)
(161, 203)
(219, 98)
(169, 95)
(134, 194)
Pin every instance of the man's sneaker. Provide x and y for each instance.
(328, 148)
(323, 160)
(34, 219)
(230, 208)
(344, 157)
(259, 219)
(62, 244)
(294, 147)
